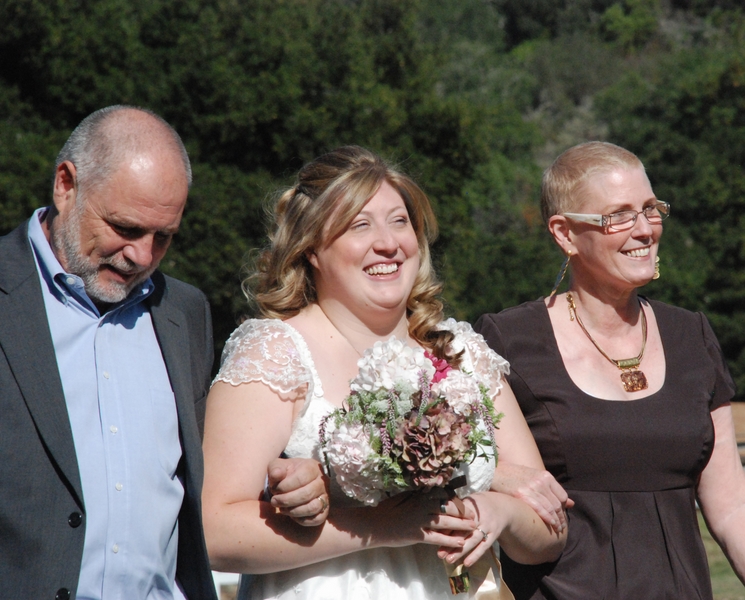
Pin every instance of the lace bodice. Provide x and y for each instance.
(274, 353)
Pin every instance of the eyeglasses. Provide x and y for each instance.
(624, 219)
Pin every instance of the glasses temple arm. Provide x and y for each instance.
(598, 220)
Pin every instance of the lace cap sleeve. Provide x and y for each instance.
(478, 357)
(266, 351)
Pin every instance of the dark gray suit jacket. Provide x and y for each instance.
(42, 508)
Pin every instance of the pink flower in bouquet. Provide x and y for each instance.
(442, 367)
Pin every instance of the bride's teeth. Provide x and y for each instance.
(637, 253)
(382, 269)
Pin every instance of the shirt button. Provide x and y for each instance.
(106, 374)
(115, 548)
(113, 429)
(75, 519)
(119, 487)
(70, 281)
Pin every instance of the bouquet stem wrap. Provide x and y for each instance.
(484, 579)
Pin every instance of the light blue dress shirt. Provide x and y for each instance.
(125, 428)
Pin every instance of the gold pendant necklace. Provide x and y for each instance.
(633, 379)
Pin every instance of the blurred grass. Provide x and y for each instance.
(724, 582)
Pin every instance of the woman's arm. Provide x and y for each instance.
(246, 427)
(721, 491)
(526, 537)
(538, 488)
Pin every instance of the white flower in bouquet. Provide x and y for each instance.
(355, 463)
(461, 390)
(389, 365)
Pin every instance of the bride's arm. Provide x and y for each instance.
(517, 448)
(247, 426)
(527, 538)
(514, 524)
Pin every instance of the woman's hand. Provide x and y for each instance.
(538, 489)
(299, 489)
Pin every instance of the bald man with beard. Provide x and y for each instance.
(105, 365)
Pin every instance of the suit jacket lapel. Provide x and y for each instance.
(171, 329)
(27, 343)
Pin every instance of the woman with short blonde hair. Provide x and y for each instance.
(628, 399)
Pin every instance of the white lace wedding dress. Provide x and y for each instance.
(274, 353)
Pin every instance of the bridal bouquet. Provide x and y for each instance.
(409, 422)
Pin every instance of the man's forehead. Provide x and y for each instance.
(145, 203)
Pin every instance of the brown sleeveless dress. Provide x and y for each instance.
(630, 466)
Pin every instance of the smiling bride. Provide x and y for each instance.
(348, 265)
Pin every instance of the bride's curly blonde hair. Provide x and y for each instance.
(339, 184)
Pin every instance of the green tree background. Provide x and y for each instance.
(473, 98)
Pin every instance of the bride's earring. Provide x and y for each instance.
(562, 273)
(656, 268)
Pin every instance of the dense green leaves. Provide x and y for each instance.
(686, 121)
(472, 98)
(255, 89)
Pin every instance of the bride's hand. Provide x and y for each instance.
(490, 522)
(299, 489)
(411, 518)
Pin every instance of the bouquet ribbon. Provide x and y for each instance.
(483, 580)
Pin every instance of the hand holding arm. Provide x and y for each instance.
(513, 524)
(536, 487)
(299, 489)
(511, 521)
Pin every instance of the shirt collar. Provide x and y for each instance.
(67, 286)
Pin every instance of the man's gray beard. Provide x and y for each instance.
(66, 242)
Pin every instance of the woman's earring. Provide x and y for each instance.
(656, 268)
(561, 274)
